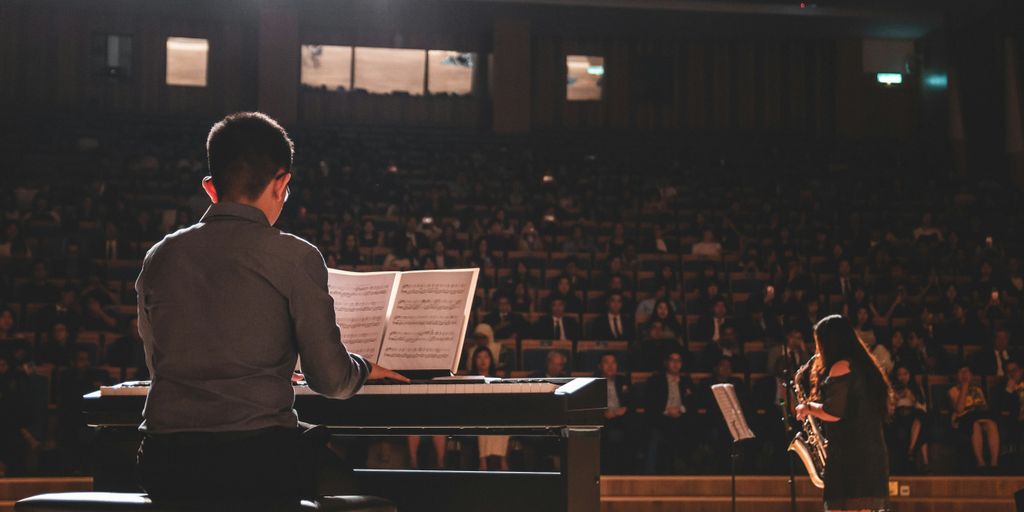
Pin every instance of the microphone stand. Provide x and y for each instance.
(785, 404)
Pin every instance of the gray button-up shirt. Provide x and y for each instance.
(225, 306)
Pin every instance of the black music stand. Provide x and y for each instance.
(725, 395)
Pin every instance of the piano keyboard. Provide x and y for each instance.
(513, 386)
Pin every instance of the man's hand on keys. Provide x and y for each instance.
(378, 372)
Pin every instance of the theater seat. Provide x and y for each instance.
(129, 502)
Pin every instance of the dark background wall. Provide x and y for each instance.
(677, 71)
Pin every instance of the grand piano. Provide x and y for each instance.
(568, 410)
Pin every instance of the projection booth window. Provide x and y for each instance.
(585, 77)
(186, 61)
(450, 72)
(390, 70)
(326, 67)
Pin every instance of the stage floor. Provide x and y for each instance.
(704, 493)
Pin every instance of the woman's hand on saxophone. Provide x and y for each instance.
(802, 412)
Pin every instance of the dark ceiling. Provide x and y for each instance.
(868, 18)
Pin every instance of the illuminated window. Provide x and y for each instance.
(585, 77)
(889, 78)
(450, 72)
(186, 61)
(390, 70)
(327, 67)
(113, 55)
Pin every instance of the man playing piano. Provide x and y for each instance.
(225, 307)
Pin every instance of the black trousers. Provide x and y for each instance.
(269, 469)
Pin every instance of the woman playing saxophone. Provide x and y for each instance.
(850, 394)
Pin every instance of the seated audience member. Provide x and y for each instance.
(16, 440)
(350, 255)
(10, 340)
(38, 289)
(763, 320)
(564, 291)
(401, 256)
(844, 283)
(554, 367)
(483, 337)
(808, 317)
(557, 325)
(784, 359)
(994, 359)
(506, 323)
(670, 407)
(973, 418)
(77, 380)
(908, 434)
(521, 298)
(645, 308)
(864, 326)
(56, 348)
(961, 328)
(616, 449)
(671, 329)
(727, 346)
(925, 356)
(708, 247)
(712, 327)
(489, 446)
(578, 241)
(529, 238)
(65, 311)
(577, 278)
(1007, 397)
(128, 352)
(613, 325)
(95, 316)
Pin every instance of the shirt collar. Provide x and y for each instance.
(238, 210)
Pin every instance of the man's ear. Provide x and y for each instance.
(281, 186)
(210, 189)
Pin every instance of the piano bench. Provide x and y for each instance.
(131, 502)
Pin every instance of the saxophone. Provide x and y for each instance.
(809, 444)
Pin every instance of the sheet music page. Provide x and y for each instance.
(428, 318)
(725, 395)
(361, 301)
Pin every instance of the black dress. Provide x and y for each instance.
(857, 465)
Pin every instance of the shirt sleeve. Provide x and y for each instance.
(836, 393)
(327, 365)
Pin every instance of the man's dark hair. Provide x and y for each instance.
(244, 152)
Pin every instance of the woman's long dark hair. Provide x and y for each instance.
(836, 340)
(476, 371)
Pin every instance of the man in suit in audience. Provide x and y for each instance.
(711, 328)
(844, 283)
(670, 403)
(557, 325)
(506, 323)
(727, 346)
(613, 325)
(616, 447)
(994, 359)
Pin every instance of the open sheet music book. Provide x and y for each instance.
(413, 320)
(725, 395)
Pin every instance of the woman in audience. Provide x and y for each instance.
(972, 417)
(522, 299)
(670, 327)
(349, 254)
(369, 236)
(402, 256)
(489, 446)
(908, 417)
(667, 277)
(866, 332)
(529, 238)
